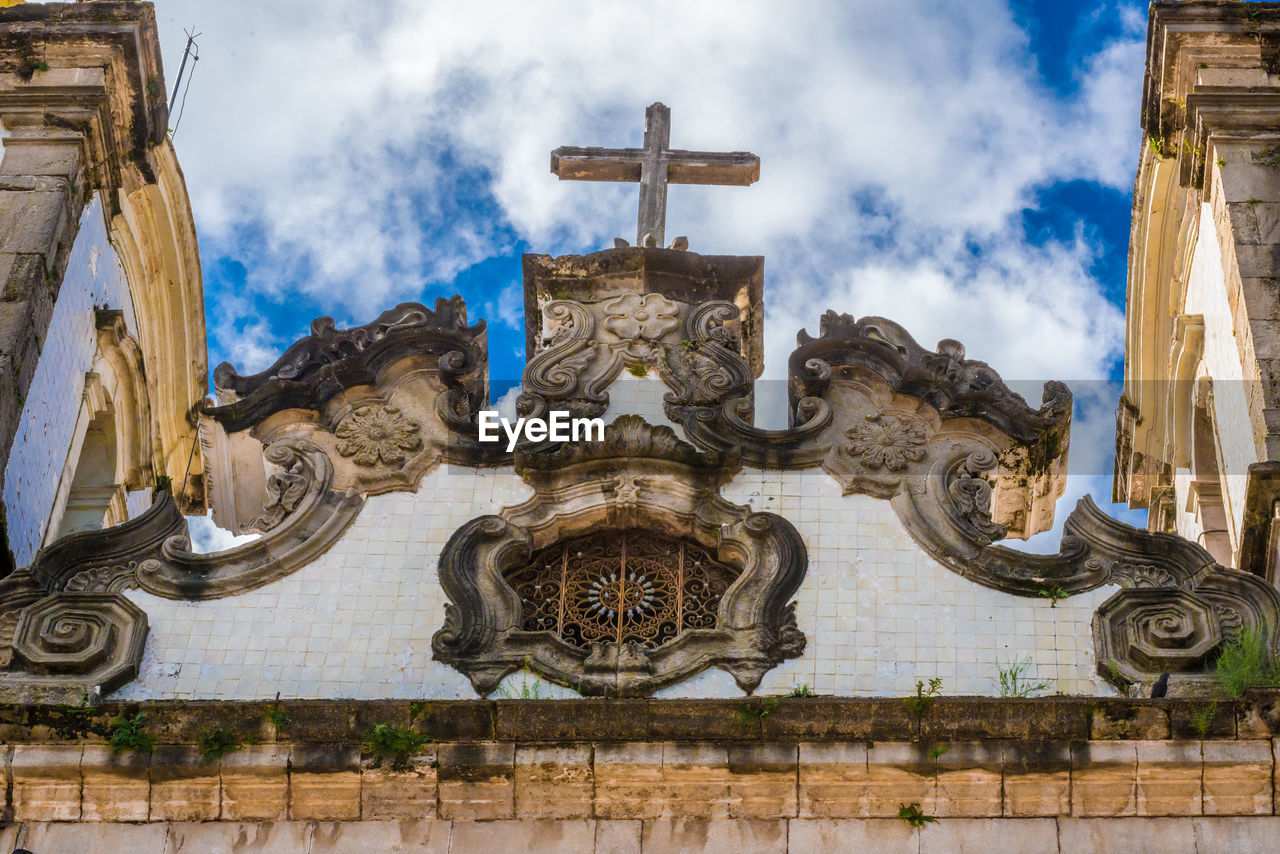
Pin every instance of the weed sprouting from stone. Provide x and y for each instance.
(1015, 680)
(914, 816)
(1202, 718)
(1245, 662)
(920, 704)
(217, 743)
(396, 744)
(750, 714)
(127, 733)
(1053, 594)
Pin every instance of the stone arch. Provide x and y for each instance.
(111, 452)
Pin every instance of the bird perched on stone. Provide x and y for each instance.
(1161, 687)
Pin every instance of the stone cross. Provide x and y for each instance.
(655, 166)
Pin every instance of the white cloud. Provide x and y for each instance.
(208, 537)
(325, 126)
(506, 405)
(899, 142)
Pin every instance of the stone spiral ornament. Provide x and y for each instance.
(1158, 630)
(96, 637)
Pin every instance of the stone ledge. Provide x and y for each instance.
(814, 719)
(827, 758)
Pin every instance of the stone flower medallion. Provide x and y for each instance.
(886, 442)
(377, 433)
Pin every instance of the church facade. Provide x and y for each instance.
(691, 634)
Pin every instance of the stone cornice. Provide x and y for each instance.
(104, 84)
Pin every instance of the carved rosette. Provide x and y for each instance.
(640, 321)
(377, 433)
(884, 441)
(70, 643)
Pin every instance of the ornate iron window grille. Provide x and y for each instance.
(630, 586)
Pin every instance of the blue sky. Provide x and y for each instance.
(964, 169)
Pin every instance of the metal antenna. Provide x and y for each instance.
(191, 42)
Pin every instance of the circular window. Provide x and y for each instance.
(631, 586)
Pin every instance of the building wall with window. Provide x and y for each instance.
(56, 418)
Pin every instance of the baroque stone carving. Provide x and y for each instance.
(330, 360)
(614, 485)
(641, 320)
(885, 442)
(681, 315)
(153, 551)
(70, 646)
(373, 434)
(1154, 630)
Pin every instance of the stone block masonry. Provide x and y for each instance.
(816, 774)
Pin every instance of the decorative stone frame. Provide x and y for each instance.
(638, 477)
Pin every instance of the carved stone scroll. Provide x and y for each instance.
(303, 518)
(329, 360)
(640, 477)
(73, 647)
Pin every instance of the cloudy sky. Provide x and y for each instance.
(963, 168)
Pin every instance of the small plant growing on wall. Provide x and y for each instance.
(277, 715)
(1117, 678)
(1202, 718)
(750, 714)
(1244, 663)
(1015, 680)
(127, 734)
(637, 369)
(217, 743)
(914, 816)
(1053, 594)
(802, 691)
(920, 704)
(396, 744)
(530, 689)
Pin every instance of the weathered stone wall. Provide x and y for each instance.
(812, 774)
(94, 279)
(879, 613)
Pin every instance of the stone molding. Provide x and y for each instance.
(304, 516)
(95, 119)
(1209, 111)
(415, 374)
(314, 369)
(639, 477)
(155, 236)
(119, 365)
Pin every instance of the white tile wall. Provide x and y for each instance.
(94, 279)
(878, 612)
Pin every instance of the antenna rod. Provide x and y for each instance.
(173, 99)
